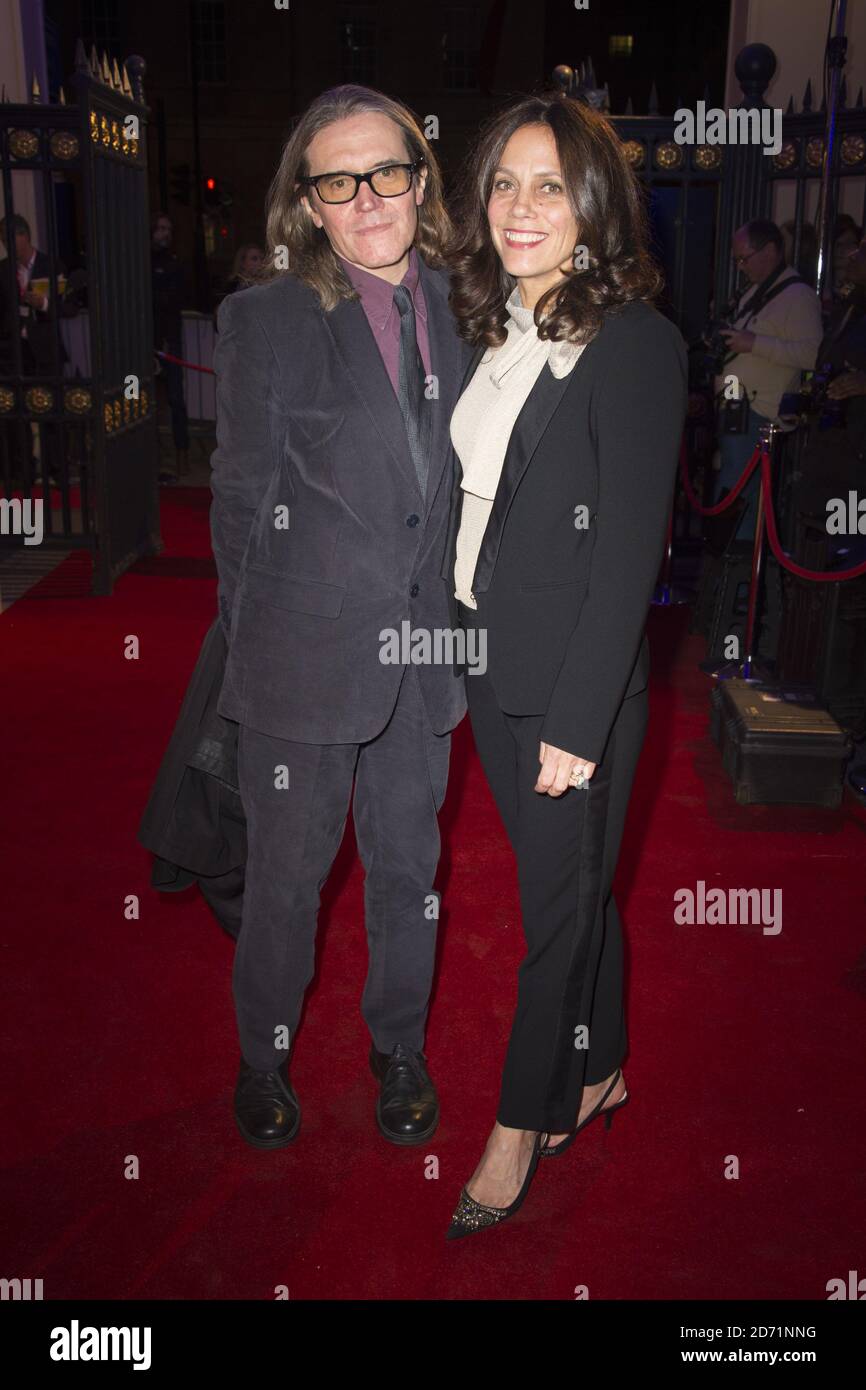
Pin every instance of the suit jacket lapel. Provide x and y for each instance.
(528, 429)
(364, 368)
(445, 359)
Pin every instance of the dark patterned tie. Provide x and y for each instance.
(412, 380)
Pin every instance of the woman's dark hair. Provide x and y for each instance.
(606, 199)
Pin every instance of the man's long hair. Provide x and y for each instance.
(309, 254)
(606, 200)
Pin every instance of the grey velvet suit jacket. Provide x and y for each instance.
(321, 536)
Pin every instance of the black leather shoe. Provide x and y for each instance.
(267, 1111)
(407, 1111)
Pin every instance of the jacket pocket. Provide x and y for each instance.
(288, 591)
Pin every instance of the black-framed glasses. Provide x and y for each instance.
(741, 260)
(388, 181)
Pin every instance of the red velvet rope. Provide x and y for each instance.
(193, 366)
(726, 500)
(828, 576)
(762, 456)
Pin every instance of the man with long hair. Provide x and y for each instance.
(336, 376)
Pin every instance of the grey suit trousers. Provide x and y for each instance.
(296, 799)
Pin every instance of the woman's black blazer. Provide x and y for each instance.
(571, 553)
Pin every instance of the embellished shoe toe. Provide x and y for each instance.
(470, 1216)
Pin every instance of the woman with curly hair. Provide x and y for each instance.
(567, 435)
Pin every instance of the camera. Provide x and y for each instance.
(717, 349)
(812, 399)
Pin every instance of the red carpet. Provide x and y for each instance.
(120, 1046)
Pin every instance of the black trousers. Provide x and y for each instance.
(569, 1028)
(296, 798)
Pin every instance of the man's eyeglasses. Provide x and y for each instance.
(741, 260)
(388, 181)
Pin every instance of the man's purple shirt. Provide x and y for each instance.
(377, 301)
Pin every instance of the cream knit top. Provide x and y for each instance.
(484, 418)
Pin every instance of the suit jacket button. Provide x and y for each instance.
(412, 520)
(413, 592)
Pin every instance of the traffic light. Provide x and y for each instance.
(217, 194)
(180, 183)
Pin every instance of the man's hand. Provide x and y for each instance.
(556, 768)
(852, 383)
(36, 301)
(738, 339)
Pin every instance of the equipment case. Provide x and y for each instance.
(778, 744)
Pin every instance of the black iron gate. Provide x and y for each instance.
(78, 436)
(699, 193)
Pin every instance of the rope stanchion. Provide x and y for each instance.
(819, 576)
(669, 592)
(761, 456)
(757, 575)
(665, 582)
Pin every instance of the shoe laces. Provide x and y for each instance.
(406, 1063)
(265, 1083)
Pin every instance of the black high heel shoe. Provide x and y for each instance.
(472, 1216)
(555, 1150)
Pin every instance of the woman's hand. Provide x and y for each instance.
(557, 767)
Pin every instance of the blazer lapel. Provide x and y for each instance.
(364, 368)
(445, 361)
(528, 429)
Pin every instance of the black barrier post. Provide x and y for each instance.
(665, 581)
(756, 582)
(746, 669)
(668, 593)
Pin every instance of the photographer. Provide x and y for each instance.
(834, 460)
(773, 334)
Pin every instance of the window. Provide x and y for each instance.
(100, 25)
(460, 48)
(620, 45)
(358, 59)
(209, 40)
